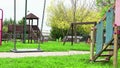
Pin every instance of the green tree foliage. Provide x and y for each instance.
(5, 29)
(60, 17)
(21, 22)
(57, 17)
(7, 22)
(57, 33)
(104, 5)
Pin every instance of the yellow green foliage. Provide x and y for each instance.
(60, 16)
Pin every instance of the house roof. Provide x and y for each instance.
(31, 16)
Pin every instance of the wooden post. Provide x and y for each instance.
(29, 32)
(31, 29)
(64, 41)
(72, 34)
(92, 44)
(38, 31)
(115, 53)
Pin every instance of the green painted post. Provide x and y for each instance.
(24, 36)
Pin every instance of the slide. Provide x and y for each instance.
(34, 35)
(1, 22)
(117, 13)
(36, 29)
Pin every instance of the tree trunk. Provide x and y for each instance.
(74, 20)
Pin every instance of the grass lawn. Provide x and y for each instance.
(75, 61)
(46, 46)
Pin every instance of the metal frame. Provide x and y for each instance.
(72, 28)
(24, 32)
(15, 47)
(1, 26)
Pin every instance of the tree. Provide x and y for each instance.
(61, 16)
(21, 22)
(56, 15)
(104, 5)
(74, 6)
(57, 20)
(6, 23)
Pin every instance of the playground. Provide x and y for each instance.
(74, 41)
(57, 56)
(53, 61)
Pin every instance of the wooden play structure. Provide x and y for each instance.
(107, 42)
(32, 30)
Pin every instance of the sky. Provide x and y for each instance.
(34, 6)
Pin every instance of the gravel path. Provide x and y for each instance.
(35, 54)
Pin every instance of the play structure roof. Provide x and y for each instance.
(31, 16)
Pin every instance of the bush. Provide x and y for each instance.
(57, 33)
(5, 29)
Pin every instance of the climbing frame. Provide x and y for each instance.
(99, 37)
(109, 25)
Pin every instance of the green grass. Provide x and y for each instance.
(76, 61)
(46, 46)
